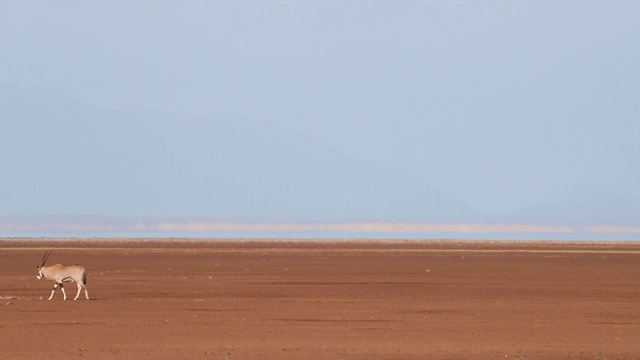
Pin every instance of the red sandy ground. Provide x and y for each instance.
(324, 300)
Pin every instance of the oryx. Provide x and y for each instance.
(60, 273)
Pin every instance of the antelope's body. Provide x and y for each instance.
(59, 273)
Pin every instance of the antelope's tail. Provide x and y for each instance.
(84, 278)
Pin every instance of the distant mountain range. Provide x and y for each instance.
(580, 210)
(61, 157)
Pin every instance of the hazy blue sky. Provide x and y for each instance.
(496, 111)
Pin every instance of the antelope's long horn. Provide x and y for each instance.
(45, 257)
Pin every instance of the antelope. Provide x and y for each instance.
(60, 273)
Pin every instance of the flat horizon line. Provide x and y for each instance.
(169, 226)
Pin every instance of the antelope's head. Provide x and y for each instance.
(42, 262)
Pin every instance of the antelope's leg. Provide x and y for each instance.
(86, 293)
(63, 292)
(79, 289)
(55, 286)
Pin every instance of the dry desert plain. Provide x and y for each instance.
(268, 299)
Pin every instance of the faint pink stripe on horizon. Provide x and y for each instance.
(356, 227)
(608, 229)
